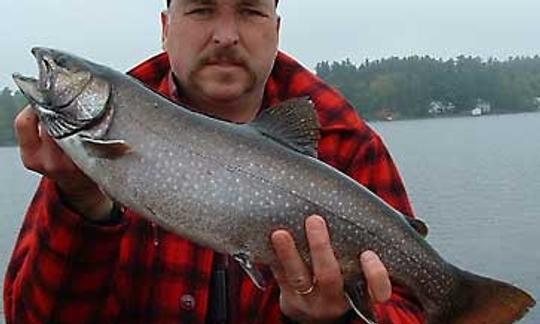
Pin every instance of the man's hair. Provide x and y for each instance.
(169, 3)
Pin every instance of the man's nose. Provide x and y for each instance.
(226, 31)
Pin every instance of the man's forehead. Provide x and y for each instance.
(250, 2)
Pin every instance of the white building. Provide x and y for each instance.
(439, 107)
(482, 107)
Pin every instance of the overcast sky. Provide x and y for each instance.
(121, 33)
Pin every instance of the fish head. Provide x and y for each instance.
(69, 95)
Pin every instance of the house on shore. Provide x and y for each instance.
(482, 107)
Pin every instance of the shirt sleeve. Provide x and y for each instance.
(61, 266)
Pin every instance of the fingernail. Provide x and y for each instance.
(317, 221)
(368, 256)
(279, 235)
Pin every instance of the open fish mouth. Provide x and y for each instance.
(29, 87)
(57, 86)
(66, 95)
(46, 71)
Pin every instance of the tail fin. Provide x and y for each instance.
(482, 300)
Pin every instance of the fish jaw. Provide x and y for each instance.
(66, 96)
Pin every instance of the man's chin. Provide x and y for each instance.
(219, 91)
(223, 95)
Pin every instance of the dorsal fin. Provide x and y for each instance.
(293, 123)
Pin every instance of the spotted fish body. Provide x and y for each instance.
(228, 186)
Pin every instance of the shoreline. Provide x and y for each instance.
(452, 116)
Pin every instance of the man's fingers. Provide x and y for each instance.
(26, 128)
(377, 277)
(295, 271)
(27, 131)
(325, 265)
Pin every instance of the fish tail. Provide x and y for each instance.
(482, 300)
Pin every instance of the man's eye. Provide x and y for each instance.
(200, 11)
(253, 12)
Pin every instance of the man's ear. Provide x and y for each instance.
(278, 24)
(164, 28)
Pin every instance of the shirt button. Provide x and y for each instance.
(187, 302)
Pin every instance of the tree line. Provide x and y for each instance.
(11, 102)
(415, 87)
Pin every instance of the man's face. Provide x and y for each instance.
(221, 49)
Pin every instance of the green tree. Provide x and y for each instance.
(10, 104)
(405, 87)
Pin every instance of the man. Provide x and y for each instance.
(80, 258)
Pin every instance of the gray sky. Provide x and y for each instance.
(121, 33)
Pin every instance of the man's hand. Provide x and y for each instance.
(40, 153)
(317, 295)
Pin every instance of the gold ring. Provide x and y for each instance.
(307, 291)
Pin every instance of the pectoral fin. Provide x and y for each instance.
(251, 270)
(106, 149)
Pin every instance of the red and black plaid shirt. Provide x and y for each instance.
(65, 269)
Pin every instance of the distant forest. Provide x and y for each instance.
(417, 87)
(397, 88)
(10, 104)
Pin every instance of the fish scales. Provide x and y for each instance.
(231, 175)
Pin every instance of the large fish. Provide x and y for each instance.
(228, 186)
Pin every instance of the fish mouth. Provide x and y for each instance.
(45, 91)
(66, 96)
(46, 69)
(29, 87)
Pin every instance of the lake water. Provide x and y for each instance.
(476, 181)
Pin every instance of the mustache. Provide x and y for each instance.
(223, 55)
